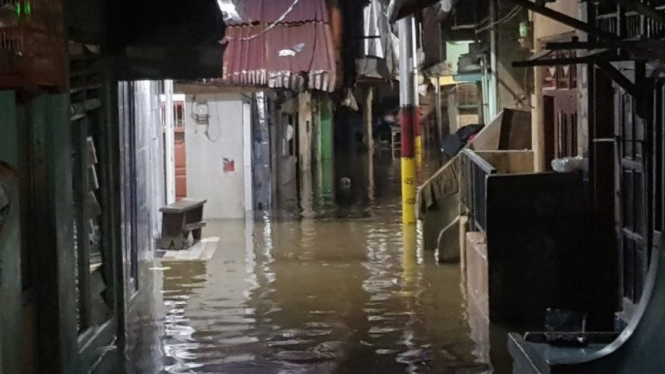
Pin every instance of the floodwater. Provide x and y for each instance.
(349, 292)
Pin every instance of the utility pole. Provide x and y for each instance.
(439, 114)
(169, 142)
(368, 119)
(409, 116)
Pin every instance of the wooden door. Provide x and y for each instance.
(560, 124)
(565, 124)
(180, 151)
(632, 217)
(549, 123)
(99, 282)
(658, 163)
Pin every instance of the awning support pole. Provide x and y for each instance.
(409, 117)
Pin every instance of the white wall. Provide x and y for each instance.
(149, 157)
(544, 28)
(206, 178)
(454, 50)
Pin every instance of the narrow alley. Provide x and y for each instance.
(332, 295)
(332, 186)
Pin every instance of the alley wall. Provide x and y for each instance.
(216, 154)
(546, 29)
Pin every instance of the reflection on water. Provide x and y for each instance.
(332, 295)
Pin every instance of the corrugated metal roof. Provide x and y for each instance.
(270, 11)
(253, 58)
(402, 8)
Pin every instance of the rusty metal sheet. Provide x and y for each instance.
(253, 56)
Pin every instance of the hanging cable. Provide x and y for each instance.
(271, 26)
(512, 14)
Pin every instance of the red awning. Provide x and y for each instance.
(256, 57)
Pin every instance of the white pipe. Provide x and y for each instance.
(439, 113)
(247, 158)
(407, 67)
(169, 142)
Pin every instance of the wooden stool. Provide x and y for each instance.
(178, 220)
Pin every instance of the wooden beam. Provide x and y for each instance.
(563, 46)
(110, 121)
(565, 19)
(81, 189)
(592, 58)
(398, 9)
(52, 239)
(643, 50)
(643, 9)
(618, 77)
(10, 236)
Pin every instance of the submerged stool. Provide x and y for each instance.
(178, 220)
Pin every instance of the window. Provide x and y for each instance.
(560, 77)
(179, 114)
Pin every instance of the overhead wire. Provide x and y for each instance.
(512, 14)
(272, 25)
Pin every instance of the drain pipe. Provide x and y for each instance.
(169, 142)
(439, 114)
(409, 116)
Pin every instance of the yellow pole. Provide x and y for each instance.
(410, 257)
(409, 166)
(409, 117)
(408, 190)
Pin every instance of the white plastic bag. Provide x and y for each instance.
(568, 164)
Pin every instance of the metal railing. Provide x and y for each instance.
(476, 170)
(634, 24)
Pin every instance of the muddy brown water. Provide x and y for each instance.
(344, 293)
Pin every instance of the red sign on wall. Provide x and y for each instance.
(229, 165)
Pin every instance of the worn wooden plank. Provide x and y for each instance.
(10, 238)
(9, 142)
(92, 152)
(60, 174)
(210, 248)
(52, 241)
(94, 209)
(195, 226)
(108, 318)
(83, 213)
(106, 136)
(183, 206)
(197, 251)
(201, 251)
(305, 134)
(173, 243)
